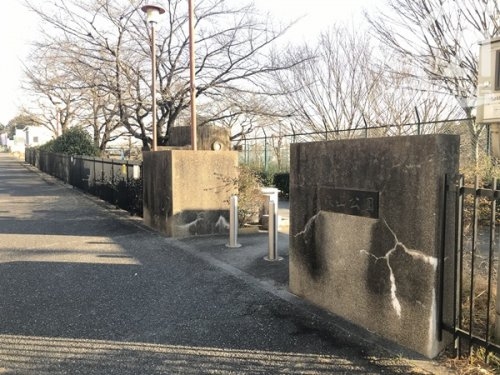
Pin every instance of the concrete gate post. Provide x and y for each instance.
(366, 220)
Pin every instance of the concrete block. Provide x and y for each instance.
(366, 219)
(187, 192)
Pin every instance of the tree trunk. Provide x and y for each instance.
(475, 131)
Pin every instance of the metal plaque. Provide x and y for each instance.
(349, 201)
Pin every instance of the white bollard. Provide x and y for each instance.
(233, 223)
(136, 172)
(273, 233)
(271, 194)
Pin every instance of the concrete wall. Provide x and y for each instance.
(210, 137)
(365, 235)
(187, 192)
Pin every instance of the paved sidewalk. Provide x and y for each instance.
(86, 289)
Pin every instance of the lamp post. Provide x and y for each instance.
(152, 14)
(192, 85)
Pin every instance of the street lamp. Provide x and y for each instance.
(152, 14)
(194, 137)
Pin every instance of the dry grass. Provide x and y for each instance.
(483, 318)
(483, 314)
(469, 366)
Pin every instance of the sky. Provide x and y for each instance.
(18, 27)
(315, 16)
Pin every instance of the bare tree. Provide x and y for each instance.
(105, 44)
(47, 83)
(346, 89)
(233, 63)
(243, 114)
(81, 55)
(330, 92)
(438, 38)
(400, 103)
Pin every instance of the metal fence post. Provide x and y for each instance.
(94, 178)
(233, 223)
(273, 233)
(492, 236)
(418, 121)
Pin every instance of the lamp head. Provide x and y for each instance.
(152, 12)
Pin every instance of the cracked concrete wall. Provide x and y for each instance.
(365, 232)
(187, 193)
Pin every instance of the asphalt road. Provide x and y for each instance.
(87, 290)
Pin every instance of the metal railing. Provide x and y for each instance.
(475, 323)
(118, 182)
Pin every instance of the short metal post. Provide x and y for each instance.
(233, 223)
(273, 233)
(136, 172)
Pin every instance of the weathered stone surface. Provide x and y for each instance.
(365, 231)
(210, 137)
(187, 192)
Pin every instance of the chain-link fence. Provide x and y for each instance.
(272, 152)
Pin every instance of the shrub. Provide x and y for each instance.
(250, 198)
(74, 141)
(130, 196)
(265, 177)
(48, 147)
(485, 169)
(282, 182)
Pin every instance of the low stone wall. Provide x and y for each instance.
(187, 192)
(366, 220)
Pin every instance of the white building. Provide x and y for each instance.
(29, 136)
